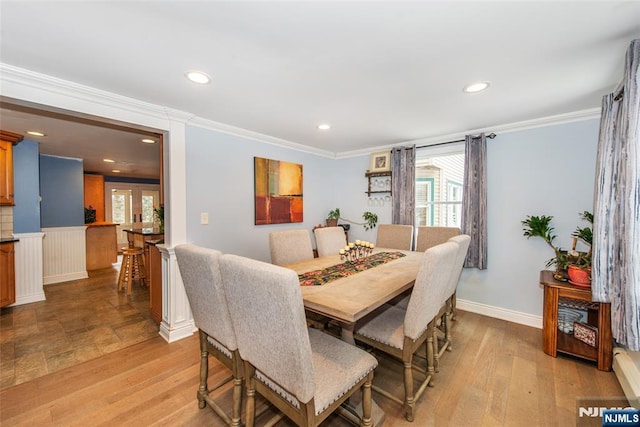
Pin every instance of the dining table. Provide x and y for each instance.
(351, 295)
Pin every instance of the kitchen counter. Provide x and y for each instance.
(101, 245)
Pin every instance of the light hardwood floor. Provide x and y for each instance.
(496, 374)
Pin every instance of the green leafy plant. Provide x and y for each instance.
(159, 214)
(334, 214)
(540, 226)
(371, 220)
(583, 259)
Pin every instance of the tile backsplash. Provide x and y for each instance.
(6, 221)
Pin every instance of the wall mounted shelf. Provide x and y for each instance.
(380, 180)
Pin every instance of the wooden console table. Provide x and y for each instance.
(558, 293)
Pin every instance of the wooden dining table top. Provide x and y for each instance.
(350, 298)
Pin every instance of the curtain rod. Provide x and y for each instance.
(490, 136)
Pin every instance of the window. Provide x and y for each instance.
(439, 177)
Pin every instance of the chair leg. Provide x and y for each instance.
(409, 402)
(453, 307)
(237, 402)
(204, 372)
(433, 365)
(121, 276)
(447, 329)
(366, 402)
(250, 404)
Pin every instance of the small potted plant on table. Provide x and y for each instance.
(579, 268)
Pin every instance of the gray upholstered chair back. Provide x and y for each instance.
(200, 271)
(266, 308)
(395, 236)
(329, 240)
(290, 246)
(430, 286)
(428, 237)
(463, 246)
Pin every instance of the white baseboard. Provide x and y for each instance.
(50, 280)
(500, 313)
(171, 335)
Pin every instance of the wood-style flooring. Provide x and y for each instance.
(496, 375)
(80, 320)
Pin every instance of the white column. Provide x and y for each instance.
(177, 320)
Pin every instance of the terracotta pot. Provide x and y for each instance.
(332, 222)
(579, 277)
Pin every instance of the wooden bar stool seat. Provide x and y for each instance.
(132, 268)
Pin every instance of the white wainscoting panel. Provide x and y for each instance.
(65, 255)
(28, 263)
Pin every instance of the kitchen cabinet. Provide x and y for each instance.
(7, 274)
(7, 141)
(94, 194)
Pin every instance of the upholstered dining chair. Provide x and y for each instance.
(290, 246)
(400, 333)
(430, 236)
(329, 240)
(427, 237)
(305, 373)
(395, 236)
(447, 310)
(200, 271)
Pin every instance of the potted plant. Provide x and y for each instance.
(540, 226)
(576, 265)
(579, 268)
(370, 219)
(159, 214)
(333, 217)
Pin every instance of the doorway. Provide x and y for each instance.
(131, 206)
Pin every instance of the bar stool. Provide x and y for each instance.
(132, 268)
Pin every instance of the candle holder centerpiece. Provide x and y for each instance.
(356, 251)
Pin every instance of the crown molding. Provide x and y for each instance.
(576, 116)
(256, 136)
(19, 83)
(22, 78)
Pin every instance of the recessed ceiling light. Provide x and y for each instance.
(35, 133)
(115, 171)
(198, 77)
(108, 160)
(475, 87)
(324, 126)
(148, 141)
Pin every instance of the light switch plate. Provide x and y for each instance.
(204, 218)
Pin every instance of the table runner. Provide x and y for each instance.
(348, 268)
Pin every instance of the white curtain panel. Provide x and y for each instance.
(474, 200)
(616, 239)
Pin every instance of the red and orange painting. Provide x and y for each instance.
(278, 191)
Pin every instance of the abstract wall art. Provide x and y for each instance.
(278, 191)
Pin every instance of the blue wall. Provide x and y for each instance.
(62, 190)
(26, 173)
(542, 171)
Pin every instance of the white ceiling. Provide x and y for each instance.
(381, 73)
